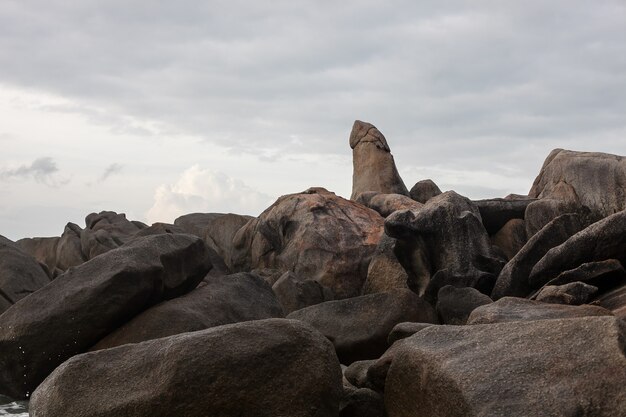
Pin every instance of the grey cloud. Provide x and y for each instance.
(41, 169)
(467, 84)
(112, 169)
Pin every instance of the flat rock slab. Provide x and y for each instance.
(510, 309)
(359, 326)
(263, 368)
(78, 308)
(572, 367)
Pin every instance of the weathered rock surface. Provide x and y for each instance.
(374, 167)
(511, 238)
(295, 293)
(385, 204)
(356, 373)
(602, 274)
(450, 230)
(358, 327)
(523, 369)
(385, 273)
(424, 190)
(361, 402)
(262, 368)
(217, 301)
(404, 330)
(574, 293)
(496, 212)
(454, 305)
(597, 180)
(78, 308)
(105, 231)
(513, 279)
(69, 250)
(605, 239)
(541, 212)
(20, 274)
(510, 309)
(316, 235)
(615, 301)
(44, 250)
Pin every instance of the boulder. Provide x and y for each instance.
(374, 167)
(496, 212)
(605, 239)
(424, 190)
(604, 275)
(513, 279)
(43, 249)
(263, 368)
(217, 301)
(69, 250)
(385, 273)
(454, 305)
(574, 293)
(314, 234)
(449, 229)
(361, 402)
(615, 301)
(358, 327)
(404, 330)
(78, 308)
(597, 180)
(356, 373)
(385, 204)
(105, 231)
(295, 293)
(541, 212)
(527, 369)
(511, 237)
(510, 309)
(20, 274)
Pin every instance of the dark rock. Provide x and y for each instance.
(385, 204)
(404, 330)
(43, 249)
(217, 301)
(356, 373)
(574, 293)
(295, 293)
(454, 305)
(261, 368)
(513, 279)
(509, 309)
(541, 212)
(362, 402)
(424, 190)
(374, 167)
(316, 235)
(78, 308)
(69, 251)
(497, 212)
(385, 273)
(615, 301)
(602, 240)
(358, 327)
(511, 237)
(571, 367)
(449, 228)
(105, 231)
(20, 274)
(602, 274)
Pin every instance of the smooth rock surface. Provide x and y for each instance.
(295, 293)
(385, 273)
(574, 293)
(511, 238)
(424, 190)
(454, 305)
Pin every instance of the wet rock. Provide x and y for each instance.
(270, 368)
(404, 330)
(374, 167)
(496, 212)
(314, 234)
(20, 274)
(385, 273)
(78, 308)
(513, 279)
(605, 239)
(424, 190)
(510, 309)
(511, 369)
(454, 305)
(217, 301)
(574, 293)
(358, 327)
(295, 293)
(511, 237)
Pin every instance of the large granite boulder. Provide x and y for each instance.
(316, 235)
(424, 190)
(454, 305)
(385, 204)
(374, 167)
(511, 238)
(20, 274)
(572, 367)
(513, 279)
(295, 293)
(449, 229)
(574, 293)
(263, 368)
(509, 309)
(596, 180)
(105, 231)
(44, 250)
(605, 239)
(215, 302)
(385, 273)
(615, 301)
(78, 308)
(496, 212)
(69, 250)
(359, 326)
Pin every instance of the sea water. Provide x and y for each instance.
(13, 408)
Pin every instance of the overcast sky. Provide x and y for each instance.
(159, 108)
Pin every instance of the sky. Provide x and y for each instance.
(160, 108)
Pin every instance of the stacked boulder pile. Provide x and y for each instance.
(397, 302)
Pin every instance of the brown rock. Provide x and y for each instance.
(454, 305)
(574, 293)
(404, 330)
(511, 237)
(385, 204)
(424, 190)
(385, 273)
(295, 293)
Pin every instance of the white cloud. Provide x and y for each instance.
(203, 190)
